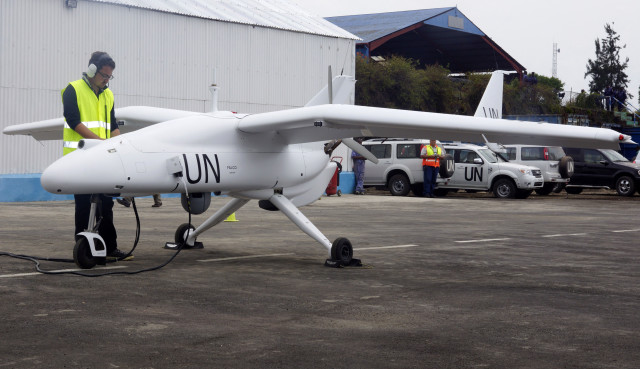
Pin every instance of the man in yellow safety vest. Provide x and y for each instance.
(89, 113)
(431, 155)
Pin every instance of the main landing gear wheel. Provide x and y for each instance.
(342, 254)
(342, 251)
(82, 254)
(180, 237)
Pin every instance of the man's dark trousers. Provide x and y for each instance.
(430, 176)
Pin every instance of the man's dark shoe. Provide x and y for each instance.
(119, 255)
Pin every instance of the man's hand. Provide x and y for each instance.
(86, 132)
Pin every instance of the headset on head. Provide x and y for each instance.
(93, 68)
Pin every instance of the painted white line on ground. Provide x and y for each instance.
(57, 271)
(564, 234)
(244, 257)
(385, 247)
(484, 240)
(626, 230)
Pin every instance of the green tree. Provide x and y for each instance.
(606, 69)
(552, 82)
(473, 90)
(522, 98)
(398, 83)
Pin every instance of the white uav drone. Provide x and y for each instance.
(278, 158)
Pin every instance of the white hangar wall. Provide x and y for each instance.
(162, 59)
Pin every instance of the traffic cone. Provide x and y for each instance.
(231, 218)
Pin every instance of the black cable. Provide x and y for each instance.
(36, 259)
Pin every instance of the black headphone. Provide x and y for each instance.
(94, 67)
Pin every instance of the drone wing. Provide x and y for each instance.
(130, 118)
(331, 121)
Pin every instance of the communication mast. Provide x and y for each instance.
(554, 68)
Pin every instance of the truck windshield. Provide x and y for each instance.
(613, 155)
(491, 156)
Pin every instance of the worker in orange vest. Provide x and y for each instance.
(431, 155)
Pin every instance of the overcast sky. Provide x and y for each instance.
(528, 29)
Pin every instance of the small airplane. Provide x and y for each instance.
(279, 158)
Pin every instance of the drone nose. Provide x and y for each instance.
(94, 170)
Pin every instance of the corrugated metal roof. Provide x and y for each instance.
(278, 14)
(374, 26)
(442, 36)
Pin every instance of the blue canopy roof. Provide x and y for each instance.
(443, 35)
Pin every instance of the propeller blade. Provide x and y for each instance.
(495, 147)
(353, 145)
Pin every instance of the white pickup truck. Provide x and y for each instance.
(479, 169)
(399, 166)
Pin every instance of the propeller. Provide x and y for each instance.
(495, 147)
(353, 145)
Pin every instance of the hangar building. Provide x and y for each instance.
(267, 55)
(441, 36)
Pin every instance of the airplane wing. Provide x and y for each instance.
(331, 121)
(130, 118)
(50, 129)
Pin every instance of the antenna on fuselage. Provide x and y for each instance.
(330, 87)
(214, 93)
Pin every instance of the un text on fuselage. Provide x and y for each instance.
(207, 164)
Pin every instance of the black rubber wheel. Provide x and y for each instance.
(559, 187)
(342, 251)
(440, 192)
(566, 167)
(180, 232)
(573, 190)
(546, 189)
(399, 185)
(625, 186)
(82, 254)
(504, 188)
(523, 194)
(417, 189)
(447, 166)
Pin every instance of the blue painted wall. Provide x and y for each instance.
(25, 187)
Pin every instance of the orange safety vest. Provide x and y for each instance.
(432, 162)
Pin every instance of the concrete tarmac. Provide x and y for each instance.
(455, 282)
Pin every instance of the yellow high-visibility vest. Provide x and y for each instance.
(432, 162)
(95, 113)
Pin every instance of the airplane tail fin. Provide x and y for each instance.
(340, 90)
(491, 103)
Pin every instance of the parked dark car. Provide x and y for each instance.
(602, 168)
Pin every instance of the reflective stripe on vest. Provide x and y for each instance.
(94, 114)
(432, 162)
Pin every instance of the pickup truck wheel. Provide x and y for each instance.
(546, 189)
(504, 188)
(565, 167)
(399, 185)
(523, 194)
(625, 186)
(441, 192)
(417, 189)
(573, 190)
(559, 187)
